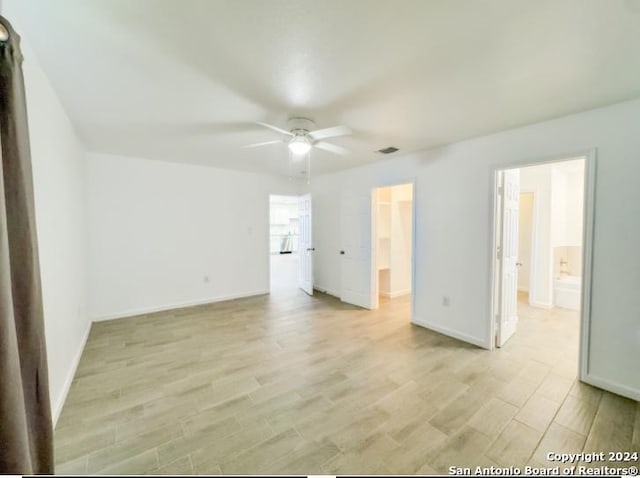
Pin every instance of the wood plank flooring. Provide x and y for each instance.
(286, 383)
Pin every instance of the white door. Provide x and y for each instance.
(355, 240)
(508, 256)
(305, 247)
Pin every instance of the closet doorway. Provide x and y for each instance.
(393, 243)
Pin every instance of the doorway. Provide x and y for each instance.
(542, 259)
(393, 244)
(284, 235)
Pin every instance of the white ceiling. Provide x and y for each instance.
(185, 80)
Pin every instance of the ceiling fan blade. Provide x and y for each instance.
(330, 132)
(333, 148)
(264, 143)
(275, 128)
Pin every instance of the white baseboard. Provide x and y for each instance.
(612, 387)
(540, 305)
(452, 333)
(394, 294)
(59, 403)
(178, 305)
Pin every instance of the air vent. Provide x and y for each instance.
(388, 150)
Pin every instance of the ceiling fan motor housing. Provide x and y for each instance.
(300, 126)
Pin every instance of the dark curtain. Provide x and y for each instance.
(26, 434)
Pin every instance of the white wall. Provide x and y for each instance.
(164, 235)
(575, 205)
(558, 207)
(453, 232)
(525, 239)
(59, 173)
(326, 192)
(567, 200)
(558, 189)
(540, 180)
(567, 185)
(401, 231)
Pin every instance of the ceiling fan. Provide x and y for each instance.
(301, 136)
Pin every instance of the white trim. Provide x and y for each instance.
(614, 387)
(268, 215)
(57, 407)
(374, 275)
(178, 305)
(540, 305)
(414, 247)
(450, 332)
(394, 294)
(587, 262)
(535, 243)
(494, 240)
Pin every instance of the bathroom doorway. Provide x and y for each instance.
(541, 255)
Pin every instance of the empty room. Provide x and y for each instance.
(297, 237)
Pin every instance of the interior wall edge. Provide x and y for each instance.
(71, 373)
(612, 386)
(58, 160)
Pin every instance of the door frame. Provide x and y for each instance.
(374, 241)
(309, 249)
(587, 246)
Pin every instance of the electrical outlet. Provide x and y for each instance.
(446, 301)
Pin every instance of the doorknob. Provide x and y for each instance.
(342, 252)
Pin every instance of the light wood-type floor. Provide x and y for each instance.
(286, 383)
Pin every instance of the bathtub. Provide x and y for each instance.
(566, 292)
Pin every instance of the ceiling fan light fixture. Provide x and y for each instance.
(299, 145)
